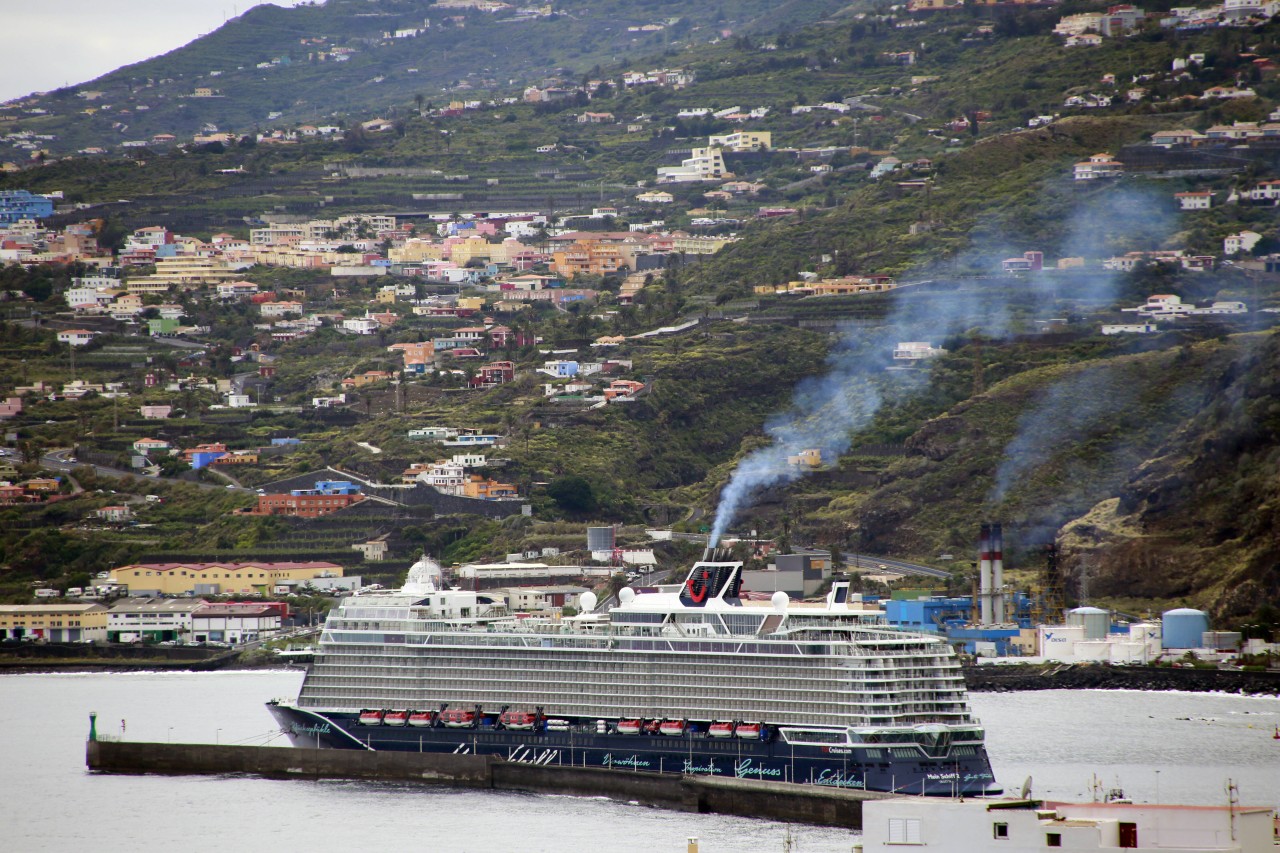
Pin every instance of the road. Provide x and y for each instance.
(57, 460)
(870, 562)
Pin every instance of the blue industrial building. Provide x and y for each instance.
(16, 205)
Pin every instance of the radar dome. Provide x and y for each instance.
(627, 595)
(780, 601)
(586, 602)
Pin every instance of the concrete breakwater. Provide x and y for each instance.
(1002, 679)
(737, 797)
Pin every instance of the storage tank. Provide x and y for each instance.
(1184, 628)
(1095, 621)
(600, 538)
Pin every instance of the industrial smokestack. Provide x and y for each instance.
(984, 575)
(997, 574)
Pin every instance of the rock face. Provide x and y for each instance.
(1200, 519)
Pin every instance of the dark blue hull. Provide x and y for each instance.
(770, 759)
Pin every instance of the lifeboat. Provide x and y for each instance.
(747, 730)
(370, 718)
(720, 730)
(517, 720)
(629, 727)
(395, 718)
(557, 725)
(456, 718)
(652, 727)
(672, 728)
(421, 719)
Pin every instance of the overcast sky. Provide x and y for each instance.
(52, 43)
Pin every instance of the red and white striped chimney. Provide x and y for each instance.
(984, 574)
(997, 574)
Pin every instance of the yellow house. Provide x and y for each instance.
(72, 622)
(416, 249)
(470, 303)
(218, 578)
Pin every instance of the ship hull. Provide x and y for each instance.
(696, 753)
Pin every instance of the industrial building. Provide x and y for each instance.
(151, 620)
(73, 622)
(234, 622)
(218, 578)
(798, 575)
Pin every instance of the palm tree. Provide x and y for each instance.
(418, 101)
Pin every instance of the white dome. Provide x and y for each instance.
(780, 601)
(626, 595)
(587, 602)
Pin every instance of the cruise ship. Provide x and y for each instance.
(681, 678)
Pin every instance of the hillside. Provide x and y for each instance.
(1151, 458)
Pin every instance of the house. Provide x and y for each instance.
(916, 350)
(1029, 262)
(146, 446)
(369, 377)
(1098, 166)
(76, 337)
(155, 413)
(623, 390)
(203, 454)
(1244, 241)
(361, 325)
(114, 514)
(655, 197)
(485, 489)
(1196, 200)
(10, 408)
(1170, 138)
(494, 374)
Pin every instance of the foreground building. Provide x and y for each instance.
(73, 622)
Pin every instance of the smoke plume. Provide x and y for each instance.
(827, 411)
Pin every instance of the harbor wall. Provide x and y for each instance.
(1003, 679)
(738, 797)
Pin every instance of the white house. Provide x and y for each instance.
(360, 325)
(1130, 329)
(76, 337)
(916, 350)
(1234, 244)
(1199, 200)
(1098, 166)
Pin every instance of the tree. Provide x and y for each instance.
(573, 493)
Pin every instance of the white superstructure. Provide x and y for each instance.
(691, 651)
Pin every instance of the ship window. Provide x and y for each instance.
(1053, 839)
(999, 830)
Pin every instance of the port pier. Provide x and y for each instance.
(781, 801)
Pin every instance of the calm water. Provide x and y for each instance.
(49, 802)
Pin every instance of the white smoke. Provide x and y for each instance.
(827, 411)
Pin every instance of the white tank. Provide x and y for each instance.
(1095, 621)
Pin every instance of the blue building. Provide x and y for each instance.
(927, 614)
(16, 205)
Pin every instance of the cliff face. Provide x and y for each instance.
(1157, 472)
(1201, 518)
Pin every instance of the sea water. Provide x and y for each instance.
(1170, 747)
